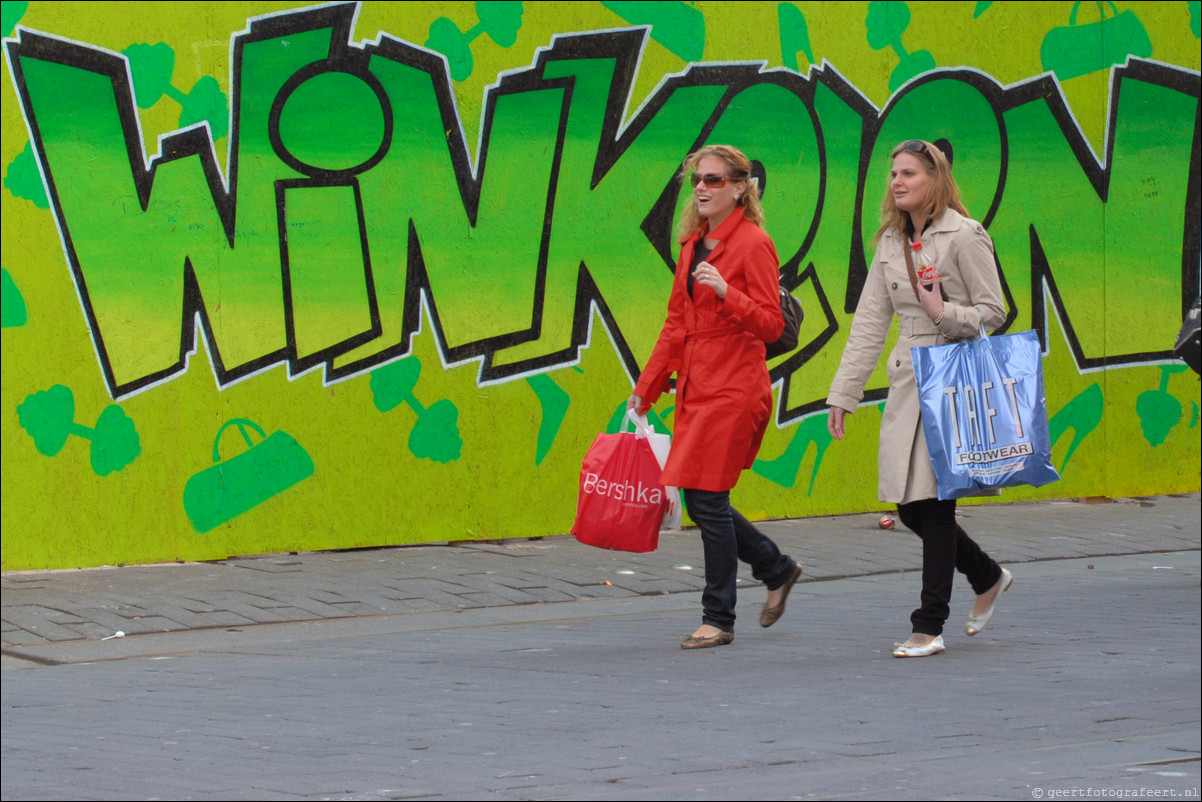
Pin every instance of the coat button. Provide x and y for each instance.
(897, 363)
(895, 285)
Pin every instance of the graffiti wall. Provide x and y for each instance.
(282, 277)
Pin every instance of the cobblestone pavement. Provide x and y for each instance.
(543, 669)
(47, 607)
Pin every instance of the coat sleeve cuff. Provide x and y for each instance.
(843, 401)
(734, 306)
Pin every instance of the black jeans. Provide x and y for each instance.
(946, 548)
(727, 538)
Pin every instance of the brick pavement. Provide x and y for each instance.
(41, 607)
(1088, 680)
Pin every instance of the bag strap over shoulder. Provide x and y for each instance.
(906, 248)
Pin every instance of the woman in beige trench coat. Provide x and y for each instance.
(922, 203)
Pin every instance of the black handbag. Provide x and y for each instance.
(1188, 347)
(790, 309)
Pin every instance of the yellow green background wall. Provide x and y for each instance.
(408, 258)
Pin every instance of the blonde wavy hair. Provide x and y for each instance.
(942, 195)
(738, 168)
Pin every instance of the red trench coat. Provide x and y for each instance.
(716, 348)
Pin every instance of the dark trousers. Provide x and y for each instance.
(946, 548)
(728, 537)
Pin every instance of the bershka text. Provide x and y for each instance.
(623, 491)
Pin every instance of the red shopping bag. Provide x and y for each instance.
(621, 502)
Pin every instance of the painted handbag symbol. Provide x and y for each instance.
(1073, 50)
(230, 488)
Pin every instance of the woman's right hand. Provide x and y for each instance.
(834, 422)
(635, 403)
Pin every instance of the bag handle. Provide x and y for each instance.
(242, 423)
(642, 428)
(1072, 18)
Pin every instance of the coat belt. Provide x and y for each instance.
(913, 326)
(712, 331)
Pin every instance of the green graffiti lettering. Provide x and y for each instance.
(249, 324)
(598, 214)
(1108, 246)
(332, 242)
(834, 251)
(129, 253)
(326, 277)
(470, 241)
(960, 110)
(150, 248)
(754, 119)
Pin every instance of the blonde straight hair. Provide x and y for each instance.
(943, 194)
(738, 168)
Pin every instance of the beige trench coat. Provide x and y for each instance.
(963, 254)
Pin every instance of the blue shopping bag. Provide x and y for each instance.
(984, 413)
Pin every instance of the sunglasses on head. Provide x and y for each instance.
(916, 146)
(712, 180)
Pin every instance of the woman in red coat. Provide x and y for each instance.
(724, 307)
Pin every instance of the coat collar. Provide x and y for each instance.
(720, 233)
(948, 221)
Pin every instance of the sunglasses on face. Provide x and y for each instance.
(712, 180)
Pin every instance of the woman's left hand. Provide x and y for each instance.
(932, 299)
(708, 275)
